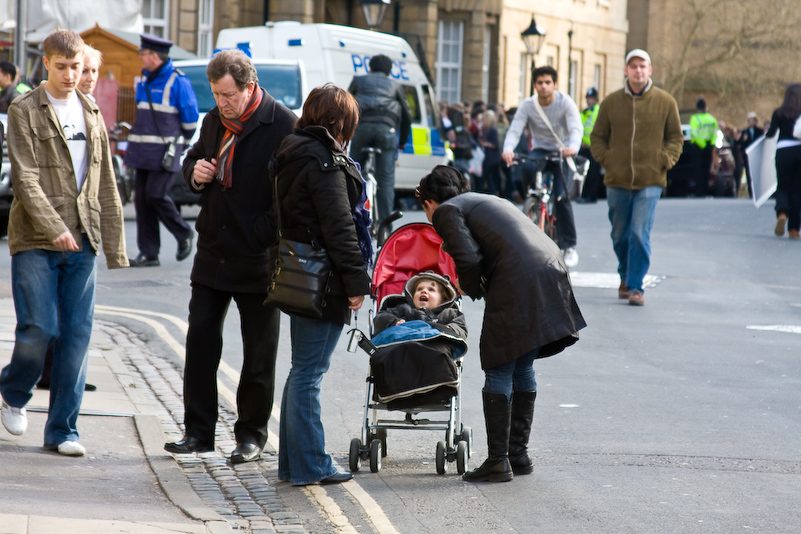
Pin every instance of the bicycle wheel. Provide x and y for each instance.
(533, 210)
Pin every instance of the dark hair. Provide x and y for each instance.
(234, 62)
(546, 70)
(381, 63)
(442, 184)
(64, 43)
(8, 68)
(163, 56)
(791, 107)
(332, 107)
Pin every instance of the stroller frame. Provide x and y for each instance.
(376, 421)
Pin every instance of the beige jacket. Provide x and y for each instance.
(47, 202)
(637, 138)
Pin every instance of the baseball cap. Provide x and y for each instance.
(752, 115)
(640, 53)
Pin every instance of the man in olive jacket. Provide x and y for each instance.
(65, 205)
(236, 229)
(637, 138)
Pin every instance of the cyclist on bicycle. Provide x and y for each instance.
(565, 122)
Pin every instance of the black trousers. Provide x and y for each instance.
(702, 163)
(788, 189)
(153, 204)
(594, 182)
(254, 397)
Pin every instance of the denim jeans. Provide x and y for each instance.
(301, 440)
(516, 375)
(54, 297)
(382, 136)
(631, 212)
(563, 209)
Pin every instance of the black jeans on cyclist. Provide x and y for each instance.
(384, 137)
(563, 209)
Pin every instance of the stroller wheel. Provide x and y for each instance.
(382, 435)
(461, 457)
(354, 458)
(442, 458)
(467, 435)
(375, 456)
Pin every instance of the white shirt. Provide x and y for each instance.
(73, 123)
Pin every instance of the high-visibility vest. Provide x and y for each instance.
(588, 117)
(703, 129)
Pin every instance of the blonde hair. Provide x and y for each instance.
(90, 51)
(490, 117)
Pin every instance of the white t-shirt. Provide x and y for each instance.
(73, 123)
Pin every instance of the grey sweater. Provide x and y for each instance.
(563, 115)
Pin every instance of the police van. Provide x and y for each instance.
(331, 53)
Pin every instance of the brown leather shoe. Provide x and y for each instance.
(793, 234)
(781, 222)
(622, 291)
(636, 299)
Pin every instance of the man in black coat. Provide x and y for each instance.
(236, 229)
(749, 134)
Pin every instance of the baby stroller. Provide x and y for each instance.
(409, 250)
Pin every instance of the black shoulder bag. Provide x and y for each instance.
(302, 272)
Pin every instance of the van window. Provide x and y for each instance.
(428, 97)
(414, 103)
(281, 81)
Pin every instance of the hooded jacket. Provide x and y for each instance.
(502, 256)
(637, 138)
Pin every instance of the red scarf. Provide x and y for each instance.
(233, 129)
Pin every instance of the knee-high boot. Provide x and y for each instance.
(522, 415)
(497, 415)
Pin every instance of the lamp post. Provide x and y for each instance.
(533, 37)
(374, 11)
(570, 62)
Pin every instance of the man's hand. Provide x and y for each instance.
(65, 242)
(205, 171)
(356, 302)
(567, 151)
(509, 157)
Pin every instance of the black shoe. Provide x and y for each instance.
(89, 387)
(245, 452)
(184, 248)
(188, 445)
(337, 478)
(143, 261)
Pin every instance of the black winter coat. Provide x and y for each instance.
(502, 256)
(235, 226)
(318, 187)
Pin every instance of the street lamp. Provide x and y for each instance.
(374, 11)
(533, 37)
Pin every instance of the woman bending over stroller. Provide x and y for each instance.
(530, 313)
(428, 297)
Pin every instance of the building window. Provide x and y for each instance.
(573, 82)
(205, 30)
(449, 60)
(596, 79)
(549, 62)
(522, 90)
(154, 15)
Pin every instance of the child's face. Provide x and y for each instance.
(427, 295)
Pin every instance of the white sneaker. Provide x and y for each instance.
(14, 419)
(71, 448)
(571, 257)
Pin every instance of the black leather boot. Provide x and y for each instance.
(522, 415)
(497, 415)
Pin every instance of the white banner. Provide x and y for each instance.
(762, 165)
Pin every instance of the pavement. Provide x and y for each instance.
(127, 483)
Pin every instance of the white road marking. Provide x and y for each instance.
(607, 280)
(371, 508)
(789, 328)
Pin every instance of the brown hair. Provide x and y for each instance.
(334, 108)
(65, 43)
(234, 62)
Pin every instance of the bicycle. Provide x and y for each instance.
(124, 175)
(540, 202)
(372, 186)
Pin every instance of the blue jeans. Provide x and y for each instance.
(301, 440)
(516, 375)
(54, 297)
(631, 213)
(383, 136)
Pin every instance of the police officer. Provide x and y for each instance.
(594, 182)
(703, 130)
(166, 118)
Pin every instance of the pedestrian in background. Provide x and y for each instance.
(319, 189)
(703, 133)
(8, 84)
(490, 142)
(65, 205)
(749, 134)
(636, 162)
(385, 124)
(594, 182)
(531, 313)
(236, 229)
(788, 163)
(166, 118)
